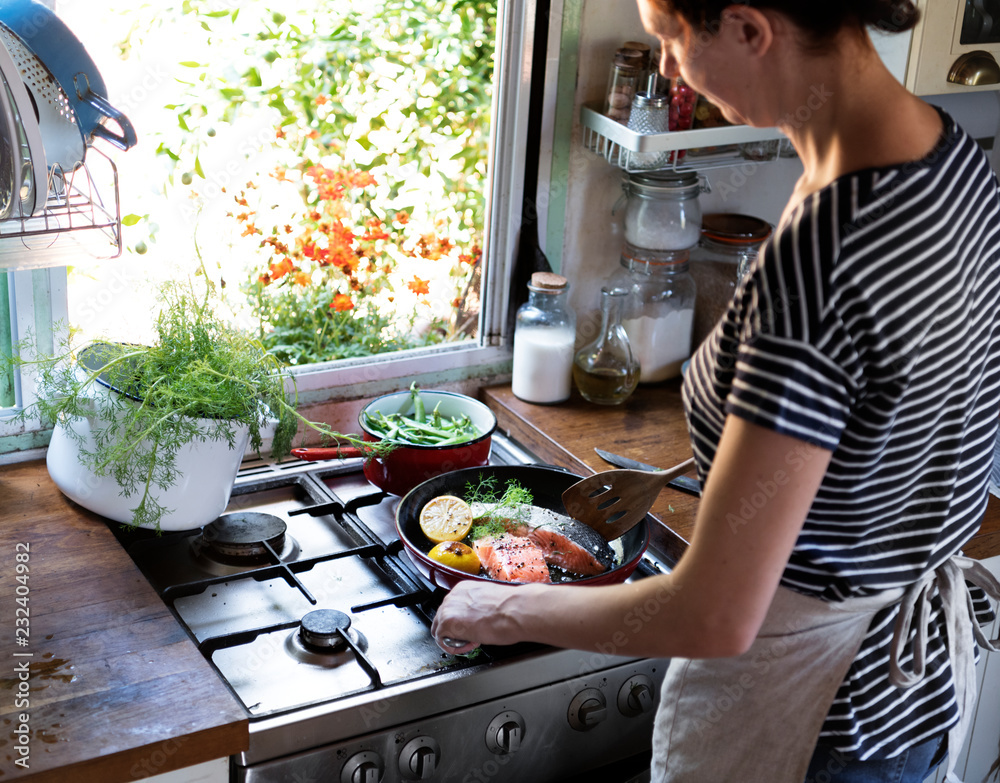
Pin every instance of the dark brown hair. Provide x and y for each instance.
(820, 19)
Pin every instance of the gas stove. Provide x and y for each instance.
(303, 600)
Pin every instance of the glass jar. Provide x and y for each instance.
(663, 211)
(544, 336)
(659, 315)
(729, 244)
(624, 81)
(650, 114)
(606, 372)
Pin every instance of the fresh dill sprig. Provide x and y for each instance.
(501, 511)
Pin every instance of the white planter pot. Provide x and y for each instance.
(206, 473)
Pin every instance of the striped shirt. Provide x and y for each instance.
(870, 326)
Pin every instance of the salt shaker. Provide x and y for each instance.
(650, 114)
(544, 335)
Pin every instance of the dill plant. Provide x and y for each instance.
(202, 380)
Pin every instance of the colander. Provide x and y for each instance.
(67, 90)
(32, 188)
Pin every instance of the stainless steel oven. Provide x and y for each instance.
(304, 602)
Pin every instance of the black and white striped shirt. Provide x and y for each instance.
(870, 326)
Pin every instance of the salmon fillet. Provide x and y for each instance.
(510, 558)
(569, 544)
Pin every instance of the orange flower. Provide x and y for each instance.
(419, 286)
(402, 217)
(281, 174)
(313, 134)
(281, 269)
(279, 133)
(302, 278)
(321, 100)
(375, 231)
(250, 230)
(341, 303)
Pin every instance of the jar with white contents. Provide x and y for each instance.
(660, 313)
(544, 337)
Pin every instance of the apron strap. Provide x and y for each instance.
(951, 580)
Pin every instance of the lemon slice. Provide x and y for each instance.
(456, 555)
(446, 518)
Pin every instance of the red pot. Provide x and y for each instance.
(407, 466)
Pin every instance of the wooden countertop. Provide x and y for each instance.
(116, 689)
(649, 427)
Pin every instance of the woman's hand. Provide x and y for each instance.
(473, 613)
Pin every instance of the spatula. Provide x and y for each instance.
(614, 501)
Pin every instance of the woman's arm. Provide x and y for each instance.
(754, 502)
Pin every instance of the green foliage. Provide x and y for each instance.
(400, 89)
(202, 380)
(503, 508)
(299, 326)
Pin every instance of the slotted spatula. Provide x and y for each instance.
(614, 501)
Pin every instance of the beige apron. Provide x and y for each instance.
(756, 718)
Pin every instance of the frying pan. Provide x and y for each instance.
(546, 485)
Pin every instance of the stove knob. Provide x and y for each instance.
(364, 767)
(587, 709)
(636, 696)
(505, 732)
(419, 759)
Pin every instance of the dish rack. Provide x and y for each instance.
(694, 150)
(76, 221)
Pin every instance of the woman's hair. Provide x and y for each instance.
(821, 19)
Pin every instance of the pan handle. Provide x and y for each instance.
(329, 452)
(124, 140)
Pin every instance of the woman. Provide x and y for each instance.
(854, 383)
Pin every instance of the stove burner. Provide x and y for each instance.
(323, 628)
(239, 537)
(319, 640)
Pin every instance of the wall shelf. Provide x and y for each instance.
(703, 148)
(76, 222)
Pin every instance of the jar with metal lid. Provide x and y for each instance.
(663, 211)
(544, 337)
(660, 311)
(729, 244)
(650, 114)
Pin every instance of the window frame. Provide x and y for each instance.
(39, 298)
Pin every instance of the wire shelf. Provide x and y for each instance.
(75, 223)
(693, 150)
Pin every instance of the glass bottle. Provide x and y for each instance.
(544, 336)
(606, 372)
(729, 244)
(660, 313)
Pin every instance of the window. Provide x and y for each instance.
(38, 298)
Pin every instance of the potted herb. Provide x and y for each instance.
(153, 436)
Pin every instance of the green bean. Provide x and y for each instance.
(421, 429)
(420, 412)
